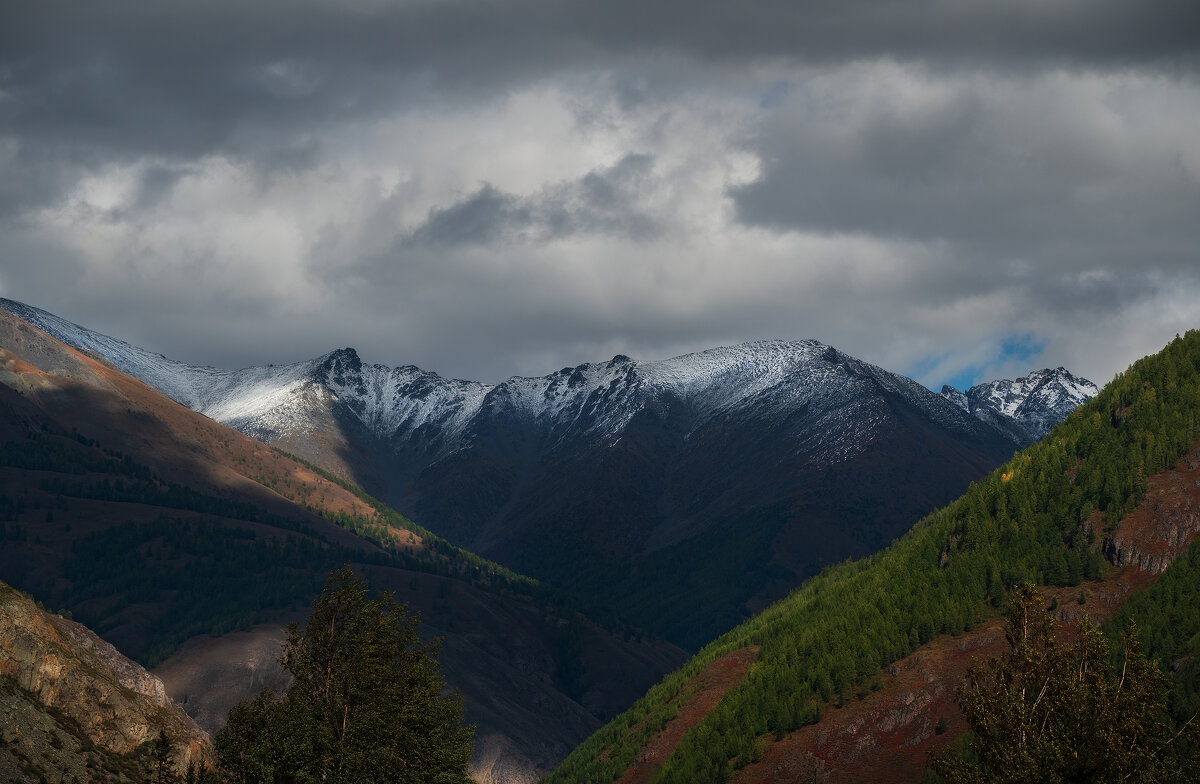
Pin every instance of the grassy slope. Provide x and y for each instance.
(1032, 519)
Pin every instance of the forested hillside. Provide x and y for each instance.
(1166, 615)
(1042, 517)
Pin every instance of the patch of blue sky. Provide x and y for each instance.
(966, 378)
(1009, 351)
(1020, 348)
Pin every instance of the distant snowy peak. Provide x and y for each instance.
(1036, 402)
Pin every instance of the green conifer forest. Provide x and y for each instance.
(1035, 519)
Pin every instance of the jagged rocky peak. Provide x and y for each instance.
(1035, 402)
(342, 367)
(345, 358)
(956, 397)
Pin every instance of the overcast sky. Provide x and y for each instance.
(957, 190)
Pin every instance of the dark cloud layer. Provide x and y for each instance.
(601, 202)
(486, 188)
(1014, 175)
(183, 78)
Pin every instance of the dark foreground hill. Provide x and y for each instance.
(849, 677)
(683, 494)
(157, 526)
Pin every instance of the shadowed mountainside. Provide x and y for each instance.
(683, 494)
(156, 525)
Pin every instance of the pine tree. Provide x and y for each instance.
(1050, 712)
(160, 757)
(365, 705)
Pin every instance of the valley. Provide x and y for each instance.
(1117, 476)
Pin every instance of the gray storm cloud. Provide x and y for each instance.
(486, 189)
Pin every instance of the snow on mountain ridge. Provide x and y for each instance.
(389, 400)
(775, 376)
(177, 380)
(601, 398)
(1035, 402)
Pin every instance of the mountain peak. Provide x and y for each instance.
(1033, 403)
(394, 400)
(342, 357)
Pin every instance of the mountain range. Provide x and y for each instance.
(682, 494)
(853, 676)
(188, 546)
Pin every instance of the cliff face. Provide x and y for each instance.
(1164, 524)
(71, 703)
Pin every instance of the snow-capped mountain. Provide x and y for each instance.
(1029, 407)
(593, 399)
(683, 492)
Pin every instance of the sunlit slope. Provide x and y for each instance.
(1040, 517)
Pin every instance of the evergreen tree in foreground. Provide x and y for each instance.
(366, 704)
(1051, 712)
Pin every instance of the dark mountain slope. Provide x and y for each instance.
(682, 494)
(1046, 516)
(156, 525)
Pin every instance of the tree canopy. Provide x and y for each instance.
(1054, 712)
(366, 704)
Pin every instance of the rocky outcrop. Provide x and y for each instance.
(1165, 522)
(95, 698)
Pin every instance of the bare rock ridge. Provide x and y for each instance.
(1163, 525)
(67, 693)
